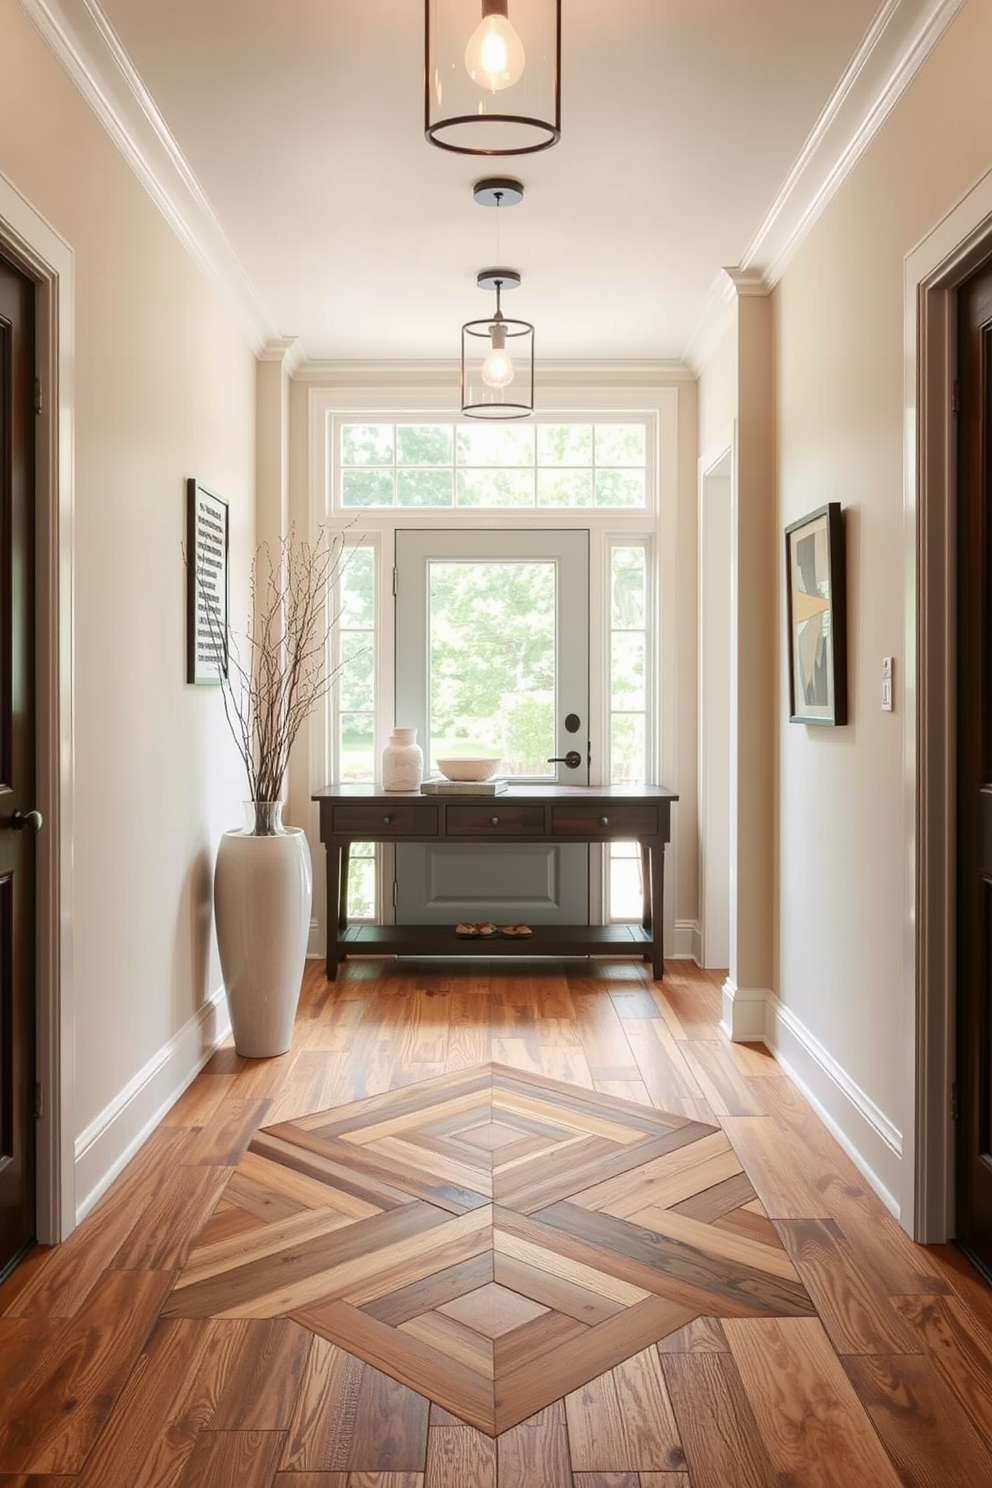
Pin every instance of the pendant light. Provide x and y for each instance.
(492, 75)
(497, 367)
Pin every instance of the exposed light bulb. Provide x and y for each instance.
(497, 369)
(494, 57)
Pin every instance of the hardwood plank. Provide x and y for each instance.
(727, 1091)
(261, 1391)
(556, 1292)
(519, 1239)
(174, 1215)
(661, 1063)
(310, 1480)
(493, 1310)
(923, 1428)
(169, 1397)
(606, 1480)
(704, 1335)
(540, 1343)
(248, 1458)
(535, 1452)
(960, 1348)
(390, 1432)
(385, 1480)
(720, 1436)
(251, 1246)
(667, 1179)
(776, 1164)
(325, 1265)
(457, 1342)
(954, 1268)
(596, 1435)
(735, 1249)
(54, 1419)
(672, 1268)
(649, 1423)
(720, 1199)
(223, 1140)
(586, 1168)
(324, 1420)
(666, 1480)
(850, 1301)
(811, 1421)
(459, 1457)
(432, 1291)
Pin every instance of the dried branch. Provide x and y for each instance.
(278, 668)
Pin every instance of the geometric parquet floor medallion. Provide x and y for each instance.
(492, 1239)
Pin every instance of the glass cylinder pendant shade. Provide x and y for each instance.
(497, 365)
(492, 75)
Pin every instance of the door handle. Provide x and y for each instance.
(572, 759)
(26, 821)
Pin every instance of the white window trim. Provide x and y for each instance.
(658, 521)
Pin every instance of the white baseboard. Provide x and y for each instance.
(112, 1139)
(687, 941)
(744, 1012)
(870, 1140)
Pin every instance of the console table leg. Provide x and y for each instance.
(656, 869)
(332, 915)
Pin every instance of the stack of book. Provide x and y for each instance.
(442, 787)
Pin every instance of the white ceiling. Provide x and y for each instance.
(285, 142)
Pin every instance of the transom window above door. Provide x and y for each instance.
(430, 464)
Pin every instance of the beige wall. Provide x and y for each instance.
(165, 389)
(839, 349)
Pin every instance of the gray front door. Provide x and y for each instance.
(492, 657)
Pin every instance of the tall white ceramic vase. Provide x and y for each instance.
(263, 891)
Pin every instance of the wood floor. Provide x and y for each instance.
(649, 1265)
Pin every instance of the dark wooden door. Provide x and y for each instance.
(17, 768)
(974, 729)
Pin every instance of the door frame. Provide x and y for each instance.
(39, 253)
(933, 271)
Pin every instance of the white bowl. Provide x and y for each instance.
(468, 769)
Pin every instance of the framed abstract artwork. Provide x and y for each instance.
(206, 584)
(816, 592)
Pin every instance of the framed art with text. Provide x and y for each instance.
(206, 584)
(816, 593)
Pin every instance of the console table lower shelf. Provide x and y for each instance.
(547, 940)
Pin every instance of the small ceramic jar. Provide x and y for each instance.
(402, 761)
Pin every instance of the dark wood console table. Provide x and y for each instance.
(526, 813)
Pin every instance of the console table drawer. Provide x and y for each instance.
(604, 821)
(378, 823)
(495, 821)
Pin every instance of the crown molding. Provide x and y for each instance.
(285, 349)
(444, 373)
(90, 52)
(899, 41)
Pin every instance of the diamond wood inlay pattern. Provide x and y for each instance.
(492, 1239)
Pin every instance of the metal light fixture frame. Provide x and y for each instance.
(479, 400)
(463, 116)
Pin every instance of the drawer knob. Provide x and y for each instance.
(604, 821)
(494, 821)
(386, 820)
